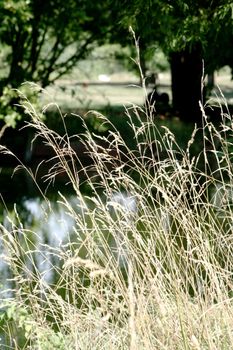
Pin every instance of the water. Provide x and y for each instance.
(48, 225)
(53, 224)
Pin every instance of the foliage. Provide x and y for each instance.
(44, 40)
(15, 322)
(17, 327)
(176, 25)
(8, 112)
(10, 100)
(39, 34)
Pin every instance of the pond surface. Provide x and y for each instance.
(48, 222)
(23, 205)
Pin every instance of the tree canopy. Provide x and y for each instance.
(45, 39)
(178, 25)
(190, 33)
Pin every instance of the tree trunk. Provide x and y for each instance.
(17, 74)
(187, 71)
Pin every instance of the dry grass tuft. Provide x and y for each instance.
(148, 263)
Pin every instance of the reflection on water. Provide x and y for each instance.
(58, 223)
(46, 229)
(126, 201)
(49, 227)
(52, 227)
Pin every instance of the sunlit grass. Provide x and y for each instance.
(147, 261)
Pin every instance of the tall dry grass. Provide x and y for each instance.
(148, 262)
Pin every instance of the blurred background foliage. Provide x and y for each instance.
(45, 41)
